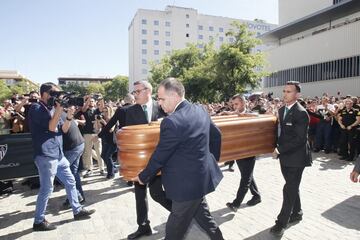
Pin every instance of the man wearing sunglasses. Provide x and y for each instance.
(144, 111)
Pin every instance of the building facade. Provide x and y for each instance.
(153, 33)
(11, 78)
(82, 80)
(317, 44)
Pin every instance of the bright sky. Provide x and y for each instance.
(46, 39)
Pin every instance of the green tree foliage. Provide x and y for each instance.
(117, 88)
(95, 88)
(75, 87)
(5, 92)
(214, 75)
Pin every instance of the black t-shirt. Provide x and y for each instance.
(73, 137)
(89, 116)
(349, 117)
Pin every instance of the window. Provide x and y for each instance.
(167, 34)
(167, 43)
(221, 39)
(143, 41)
(156, 52)
(211, 28)
(144, 32)
(200, 27)
(143, 61)
(143, 21)
(143, 51)
(156, 42)
(156, 22)
(156, 33)
(143, 71)
(231, 40)
(167, 24)
(200, 46)
(200, 37)
(187, 25)
(187, 16)
(187, 35)
(211, 38)
(168, 52)
(221, 29)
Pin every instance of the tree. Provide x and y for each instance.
(75, 88)
(117, 88)
(5, 92)
(93, 88)
(214, 75)
(236, 66)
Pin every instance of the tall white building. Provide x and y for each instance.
(153, 33)
(317, 44)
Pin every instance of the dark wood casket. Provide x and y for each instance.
(241, 137)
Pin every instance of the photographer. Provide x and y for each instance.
(46, 129)
(73, 144)
(24, 106)
(89, 112)
(107, 139)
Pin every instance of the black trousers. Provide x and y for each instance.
(156, 192)
(246, 167)
(181, 215)
(348, 138)
(291, 196)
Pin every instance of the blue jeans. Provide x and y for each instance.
(73, 156)
(47, 171)
(108, 150)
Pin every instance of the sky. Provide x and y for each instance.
(47, 39)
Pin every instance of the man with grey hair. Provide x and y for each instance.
(186, 155)
(143, 112)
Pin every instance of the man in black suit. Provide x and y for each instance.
(246, 165)
(294, 153)
(144, 111)
(186, 155)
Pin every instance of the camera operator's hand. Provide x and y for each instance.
(70, 112)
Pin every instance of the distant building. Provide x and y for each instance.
(317, 44)
(83, 80)
(11, 78)
(153, 34)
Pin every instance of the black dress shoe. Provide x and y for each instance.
(232, 207)
(344, 157)
(43, 226)
(83, 214)
(253, 201)
(295, 218)
(129, 183)
(278, 230)
(316, 150)
(141, 231)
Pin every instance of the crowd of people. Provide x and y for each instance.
(69, 139)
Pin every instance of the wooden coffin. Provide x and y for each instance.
(241, 137)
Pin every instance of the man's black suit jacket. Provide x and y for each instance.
(293, 143)
(186, 154)
(132, 115)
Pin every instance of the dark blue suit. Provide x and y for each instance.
(186, 154)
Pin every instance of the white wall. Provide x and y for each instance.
(291, 10)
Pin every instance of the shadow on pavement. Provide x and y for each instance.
(332, 163)
(346, 213)
(263, 235)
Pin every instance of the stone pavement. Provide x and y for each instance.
(331, 205)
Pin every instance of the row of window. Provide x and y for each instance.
(341, 68)
(156, 52)
(156, 23)
(156, 42)
(156, 32)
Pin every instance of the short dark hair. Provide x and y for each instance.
(296, 84)
(46, 87)
(174, 85)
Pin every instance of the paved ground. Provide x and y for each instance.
(331, 205)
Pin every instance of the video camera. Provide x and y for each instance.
(65, 99)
